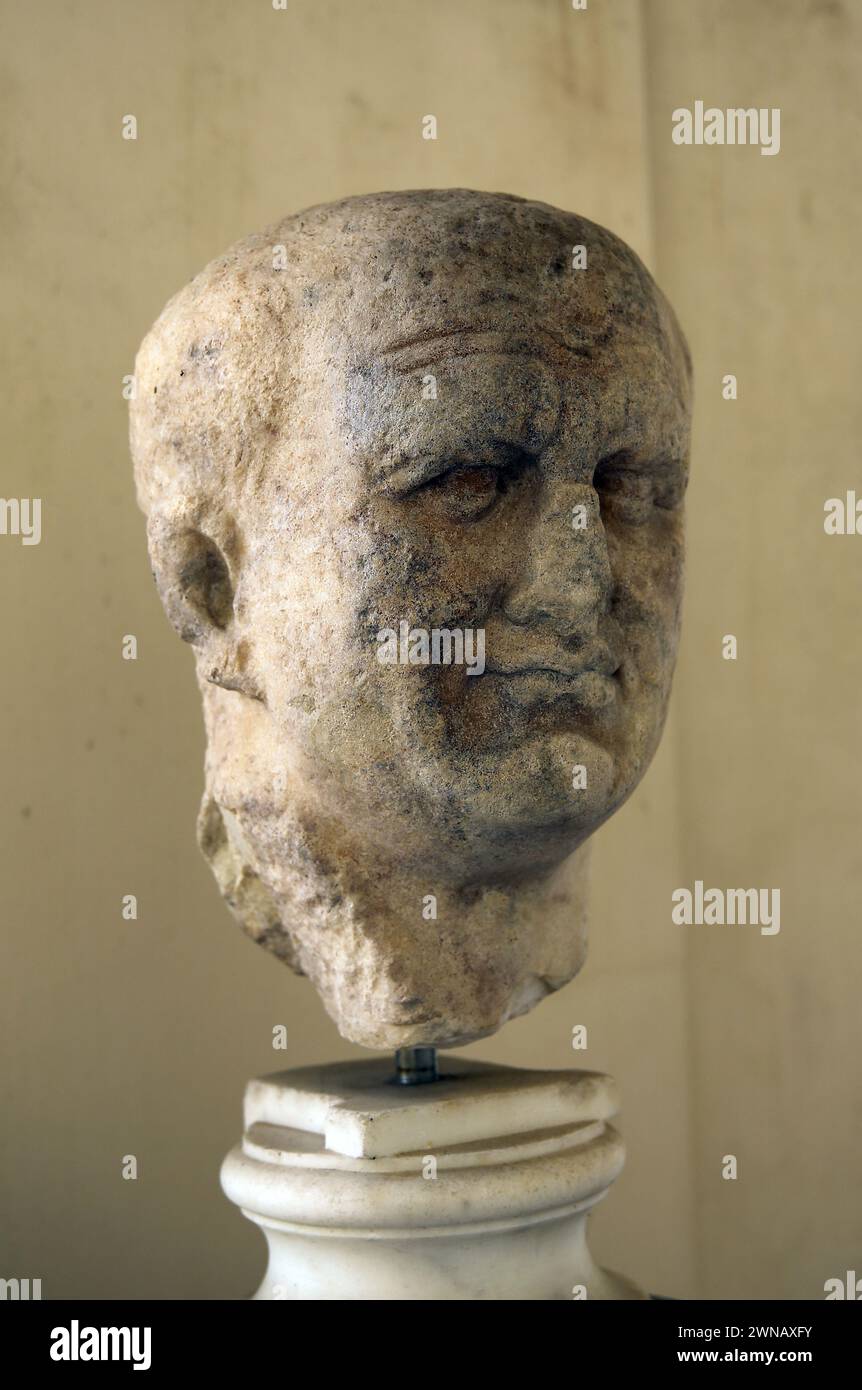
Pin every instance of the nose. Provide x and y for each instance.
(564, 580)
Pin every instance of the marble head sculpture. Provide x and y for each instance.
(413, 478)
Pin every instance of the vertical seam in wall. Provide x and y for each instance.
(684, 840)
(646, 143)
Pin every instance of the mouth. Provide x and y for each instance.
(591, 689)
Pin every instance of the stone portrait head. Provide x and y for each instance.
(413, 466)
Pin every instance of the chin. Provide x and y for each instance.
(531, 789)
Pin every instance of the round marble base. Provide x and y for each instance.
(477, 1186)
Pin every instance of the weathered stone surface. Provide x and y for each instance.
(411, 408)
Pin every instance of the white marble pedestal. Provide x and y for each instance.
(477, 1186)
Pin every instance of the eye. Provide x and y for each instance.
(471, 491)
(467, 493)
(629, 492)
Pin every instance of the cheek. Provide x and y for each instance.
(647, 567)
(647, 561)
(474, 570)
(433, 577)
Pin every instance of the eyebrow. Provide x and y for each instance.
(414, 467)
(432, 346)
(407, 473)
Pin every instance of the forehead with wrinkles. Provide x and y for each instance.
(409, 280)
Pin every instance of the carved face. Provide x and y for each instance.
(533, 511)
(413, 466)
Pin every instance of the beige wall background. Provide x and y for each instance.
(137, 1037)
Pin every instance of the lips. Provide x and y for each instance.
(592, 689)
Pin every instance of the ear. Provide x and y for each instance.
(195, 585)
